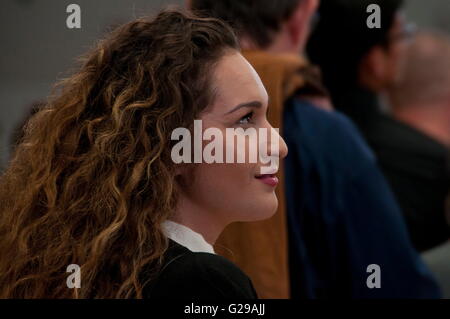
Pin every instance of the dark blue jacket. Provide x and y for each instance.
(342, 215)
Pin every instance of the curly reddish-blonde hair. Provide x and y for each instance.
(92, 179)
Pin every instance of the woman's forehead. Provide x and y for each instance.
(235, 81)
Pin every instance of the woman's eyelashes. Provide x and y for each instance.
(246, 119)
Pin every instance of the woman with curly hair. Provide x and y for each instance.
(92, 181)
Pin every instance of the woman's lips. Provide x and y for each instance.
(268, 179)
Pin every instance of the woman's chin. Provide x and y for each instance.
(263, 209)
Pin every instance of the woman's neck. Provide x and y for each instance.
(198, 219)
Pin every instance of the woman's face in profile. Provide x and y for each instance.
(238, 191)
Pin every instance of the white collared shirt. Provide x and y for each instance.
(186, 237)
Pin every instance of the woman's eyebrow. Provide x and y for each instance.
(256, 104)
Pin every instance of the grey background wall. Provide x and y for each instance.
(37, 48)
(429, 13)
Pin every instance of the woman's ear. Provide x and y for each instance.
(179, 170)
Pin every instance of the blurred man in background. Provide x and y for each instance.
(422, 97)
(418, 168)
(341, 215)
(360, 64)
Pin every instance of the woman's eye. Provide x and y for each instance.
(246, 119)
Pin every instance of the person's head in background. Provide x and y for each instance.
(350, 53)
(280, 26)
(422, 97)
(93, 178)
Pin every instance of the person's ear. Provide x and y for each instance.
(180, 169)
(298, 23)
(373, 65)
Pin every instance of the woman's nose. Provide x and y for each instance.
(277, 147)
(283, 148)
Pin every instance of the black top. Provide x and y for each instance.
(193, 275)
(415, 165)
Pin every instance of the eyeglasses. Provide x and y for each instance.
(407, 32)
